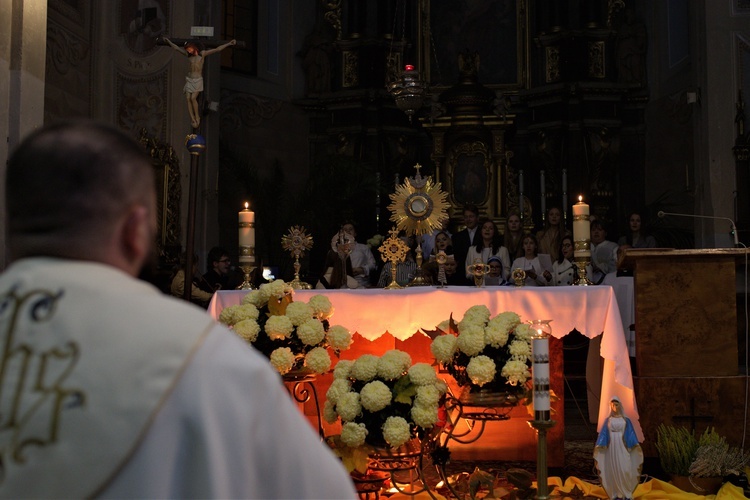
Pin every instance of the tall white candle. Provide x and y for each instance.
(540, 375)
(543, 192)
(521, 204)
(247, 233)
(565, 191)
(581, 227)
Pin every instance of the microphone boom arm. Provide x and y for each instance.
(732, 226)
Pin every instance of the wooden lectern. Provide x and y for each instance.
(686, 340)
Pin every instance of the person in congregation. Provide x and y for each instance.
(469, 236)
(489, 245)
(554, 229)
(530, 264)
(442, 243)
(603, 252)
(563, 270)
(453, 277)
(429, 240)
(152, 399)
(513, 235)
(637, 237)
(219, 275)
(495, 276)
(198, 295)
(363, 261)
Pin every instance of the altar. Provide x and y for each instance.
(402, 314)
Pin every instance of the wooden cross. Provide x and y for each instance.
(692, 417)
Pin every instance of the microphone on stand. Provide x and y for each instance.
(733, 226)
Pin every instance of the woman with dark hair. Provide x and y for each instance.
(490, 244)
(513, 235)
(442, 242)
(550, 236)
(529, 263)
(636, 236)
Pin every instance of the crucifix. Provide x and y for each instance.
(196, 51)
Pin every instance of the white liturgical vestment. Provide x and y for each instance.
(111, 389)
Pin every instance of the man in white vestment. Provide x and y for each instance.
(108, 387)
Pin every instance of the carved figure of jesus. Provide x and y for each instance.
(194, 79)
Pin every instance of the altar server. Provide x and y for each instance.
(111, 388)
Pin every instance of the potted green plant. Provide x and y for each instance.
(697, 464)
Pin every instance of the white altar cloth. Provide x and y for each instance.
(592, 310)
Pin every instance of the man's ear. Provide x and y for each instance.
(135, 235)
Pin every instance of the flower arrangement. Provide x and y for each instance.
(381, 401)
(293, 335)
(375, 241)
(485, 353)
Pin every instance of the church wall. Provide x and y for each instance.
(22, 62)
(690, 116)
(68, 74)
(720, 95)
(264, 137)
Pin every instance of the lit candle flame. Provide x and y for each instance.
(580, 199)
(247, 205)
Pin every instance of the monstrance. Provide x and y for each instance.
(478, 269)
(296, 242)
(441, 259)
(418, 207)
(393, 250)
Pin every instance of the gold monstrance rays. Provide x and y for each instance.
(418, 206)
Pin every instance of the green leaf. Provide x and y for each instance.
(404, 390)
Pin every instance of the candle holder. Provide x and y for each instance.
(541, 426)
(247, 264)
(479, 270)
(582, 278)
(419, 278)
(541, 396)
(296, 241)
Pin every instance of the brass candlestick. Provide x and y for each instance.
(296, 242)
(541, 426)
(581, 264)
(393, 250)
(478, 269)
(247, 264)
(419, 278)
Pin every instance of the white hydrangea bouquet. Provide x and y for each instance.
(381, 401)
(483, 353)
(293, 335)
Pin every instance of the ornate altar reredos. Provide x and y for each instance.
(168, 195)
(469, 152)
